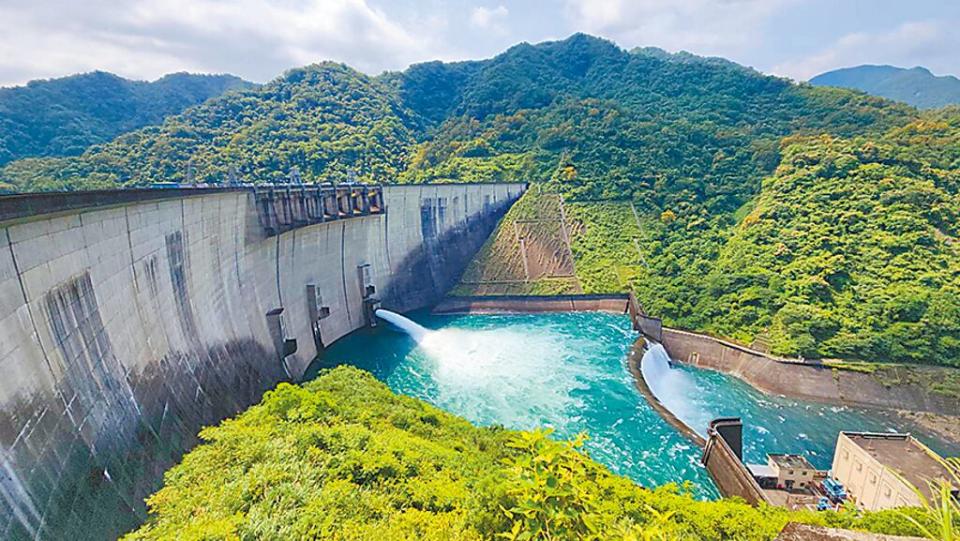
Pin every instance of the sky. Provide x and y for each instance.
(260, 39)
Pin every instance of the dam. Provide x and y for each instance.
(129, 319)
(569, 371)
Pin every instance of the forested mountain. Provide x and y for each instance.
(326, 119)
(851, 250)
(62, 117)
(915, 86)
(846, 250)
(614, 122)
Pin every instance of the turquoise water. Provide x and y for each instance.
(774, 424)
(568, 371)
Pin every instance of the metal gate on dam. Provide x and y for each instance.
(129, 319)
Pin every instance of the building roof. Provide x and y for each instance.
(905, 455)
(761, 470)
(795, 462)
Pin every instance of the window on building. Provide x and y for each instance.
(873, 479)
(859, 466)
(846, 454)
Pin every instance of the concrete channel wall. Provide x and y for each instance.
(127, 323)
(806, 381)
(729, 473)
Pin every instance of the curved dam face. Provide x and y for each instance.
(130, 319)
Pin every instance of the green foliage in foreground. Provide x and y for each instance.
(344, 458)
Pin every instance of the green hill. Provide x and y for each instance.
(625, 122)
(915, 86)
(851, 250)
(658, 157)
(63, 117)
(344, 458)
(327, 119)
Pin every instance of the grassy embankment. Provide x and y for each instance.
(499, 267)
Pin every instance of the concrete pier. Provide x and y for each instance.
(130, 319)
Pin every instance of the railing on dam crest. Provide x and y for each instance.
(279, 208)
(282, 208)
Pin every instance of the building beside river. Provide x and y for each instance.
(880, 471)
(791, 472)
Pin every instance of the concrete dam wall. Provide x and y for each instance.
(130, 319)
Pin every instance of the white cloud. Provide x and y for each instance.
(256, 39)
(489, 19)
(711, 27)
(929, 43)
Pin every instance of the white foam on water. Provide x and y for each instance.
(504, 376)
(674, 388)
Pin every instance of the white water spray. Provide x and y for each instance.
(522, 377)
(674, 388)
(417, 332)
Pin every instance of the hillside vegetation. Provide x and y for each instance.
(344, 458)
(64, 117)
(915, 86)
(849, 251)
(660, 160)
(610, 123)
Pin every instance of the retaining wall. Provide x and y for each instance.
(128, 323)
(806, 381)
(729, 473)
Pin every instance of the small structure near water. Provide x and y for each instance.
(874, 471)
(788, 481)
(881, 471)
(784, 472)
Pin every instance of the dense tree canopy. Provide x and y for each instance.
(851, 250)
(63, 117)
(620, 122)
